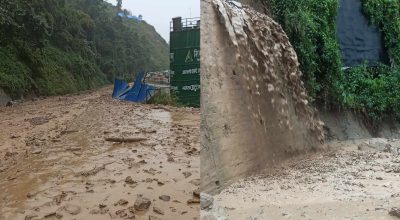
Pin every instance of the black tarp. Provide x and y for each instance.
(359, 40)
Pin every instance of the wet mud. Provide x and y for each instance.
(255, 107)
(56, 162)
(357, 179)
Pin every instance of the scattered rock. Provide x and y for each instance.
(72, 209)
(191, 152)
(10, 154)
(396, 195)
(11, 178)
(187, 174)
(150, 171)
(154, 218)
(100, 210)
(121, 213)
(193, 201)
(10, 104)
(142, 204)
(379, 178)
(93, 171)
(195, 182)
(395, 212)
(129, 180)
(170, 159)
(15, 136)
(31, 216)
(125, 139)
(73, 149)
(131, 209)
(165, 198)
(37, 151)
(64, 132)
(60, 197)
(121, 202)
(206, 201)
(39, 121)
(30, 195)
(196, 193)
(52, 215)
(160, 183)
(158, 210)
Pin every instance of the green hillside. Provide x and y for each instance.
(311, 27)
(51, 47)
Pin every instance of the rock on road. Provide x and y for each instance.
(56, 164)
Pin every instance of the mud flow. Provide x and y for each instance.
(264, 152)
(358, 179)
(56, 163)
(254, 103)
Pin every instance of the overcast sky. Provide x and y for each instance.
(159, 13)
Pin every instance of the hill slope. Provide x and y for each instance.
(51, 47)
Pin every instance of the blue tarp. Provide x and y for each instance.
(359, 39)
(140, 92)
(123, 15)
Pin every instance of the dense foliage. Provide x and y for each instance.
(386, 14)
(53, 47)
(311, 27)
(373, 90)
(378, 91)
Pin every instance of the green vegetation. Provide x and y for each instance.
(386, 14)
(51, 47)
(311, 27)
(165, 99)
(377, 90)
(373, 90)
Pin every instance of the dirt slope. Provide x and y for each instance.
(55, 162)
(254, 106)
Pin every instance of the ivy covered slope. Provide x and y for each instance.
(51, 47)
(311, 27)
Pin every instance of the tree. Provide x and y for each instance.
(53, 47)
(119, 5)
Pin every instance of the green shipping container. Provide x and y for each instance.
(185, 60)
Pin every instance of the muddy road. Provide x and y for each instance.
(352, 180)
(56, 164)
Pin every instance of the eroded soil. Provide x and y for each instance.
(352, 180)
(56, 164)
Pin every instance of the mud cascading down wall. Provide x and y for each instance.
(254, 106)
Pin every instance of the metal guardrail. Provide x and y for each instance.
(179, 24)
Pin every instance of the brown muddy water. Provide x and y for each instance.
(264, 154)
(56, 164)
(358, 179)
(254, 105)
